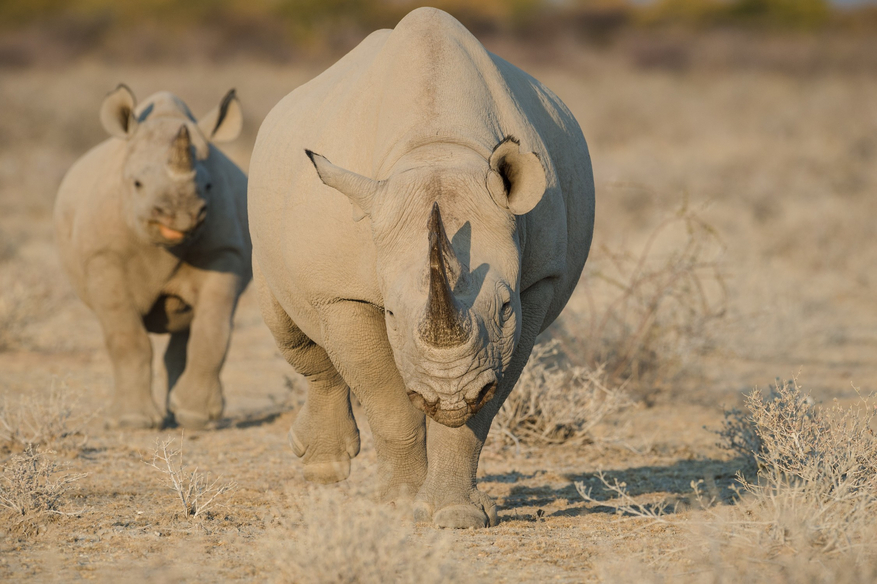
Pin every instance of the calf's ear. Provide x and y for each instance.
(117, 112)
(359, 189)
(516, 179)
(224, 123)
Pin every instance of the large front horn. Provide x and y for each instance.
(445, 323)
(180, 159)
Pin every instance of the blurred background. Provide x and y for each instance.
(58, 31)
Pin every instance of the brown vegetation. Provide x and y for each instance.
(33, 491)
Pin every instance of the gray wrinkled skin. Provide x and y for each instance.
(151, 226)
(438, 221)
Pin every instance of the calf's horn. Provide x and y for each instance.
(180, 158)
(445, 323)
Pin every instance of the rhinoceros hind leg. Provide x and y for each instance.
(324, 434)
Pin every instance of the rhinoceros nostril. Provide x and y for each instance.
(482, 398)
(428, 407)
(159, 211)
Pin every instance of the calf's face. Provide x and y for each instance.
(166, 185)
(166, 188)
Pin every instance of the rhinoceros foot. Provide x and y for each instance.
(191, 420)
(455, 513)
(134, 420)
(325, 448)
(195, 405)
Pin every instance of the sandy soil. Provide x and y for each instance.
(782, 167)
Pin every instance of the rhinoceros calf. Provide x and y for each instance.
(419, 265)
(151, 225)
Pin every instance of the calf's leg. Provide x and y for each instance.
(127, 343)
(196, 398)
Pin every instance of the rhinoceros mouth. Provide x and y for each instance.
(454, 418)
(167, 235)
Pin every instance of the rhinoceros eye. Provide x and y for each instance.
(506, 310)
(137, 184)
(208, 186)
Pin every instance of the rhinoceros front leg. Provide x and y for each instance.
(355, 338)
(449, 496)
(196, 398)
(127, 343)
(324, 434)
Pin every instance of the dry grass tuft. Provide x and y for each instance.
(54, 420)
(195, 490)
(555, 403)
(327, 536)
(817, 471)
(649, 311)
(808, 515)
(33, 490)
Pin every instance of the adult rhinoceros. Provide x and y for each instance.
(151, 225)
(418, 267)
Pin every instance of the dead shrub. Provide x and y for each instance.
(648, 311)
(196, 491)
(327, 536)
(555, 402)
(817, 470)
(33, 490)
(807, 516)
(53, 420)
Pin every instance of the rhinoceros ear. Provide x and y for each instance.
(359, 189)
(516, 180)
(224, 123)
(117, 112)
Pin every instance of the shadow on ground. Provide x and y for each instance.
(673, 484)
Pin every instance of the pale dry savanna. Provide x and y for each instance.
(733, 246)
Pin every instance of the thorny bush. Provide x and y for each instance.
(33, 489)
(555, 402)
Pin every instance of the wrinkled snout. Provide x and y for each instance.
(175, 223)
(450, 402)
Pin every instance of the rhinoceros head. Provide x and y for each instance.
(448, 265)
(165, 182)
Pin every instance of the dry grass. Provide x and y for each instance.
(33, 491)
(650, 312)
(196, 491)
(555, 403)
(817, 480)
(808, 515)
(54, 420)
(328, 536)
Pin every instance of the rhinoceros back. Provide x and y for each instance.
(427, 80)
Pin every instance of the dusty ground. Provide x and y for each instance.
(781, 166)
